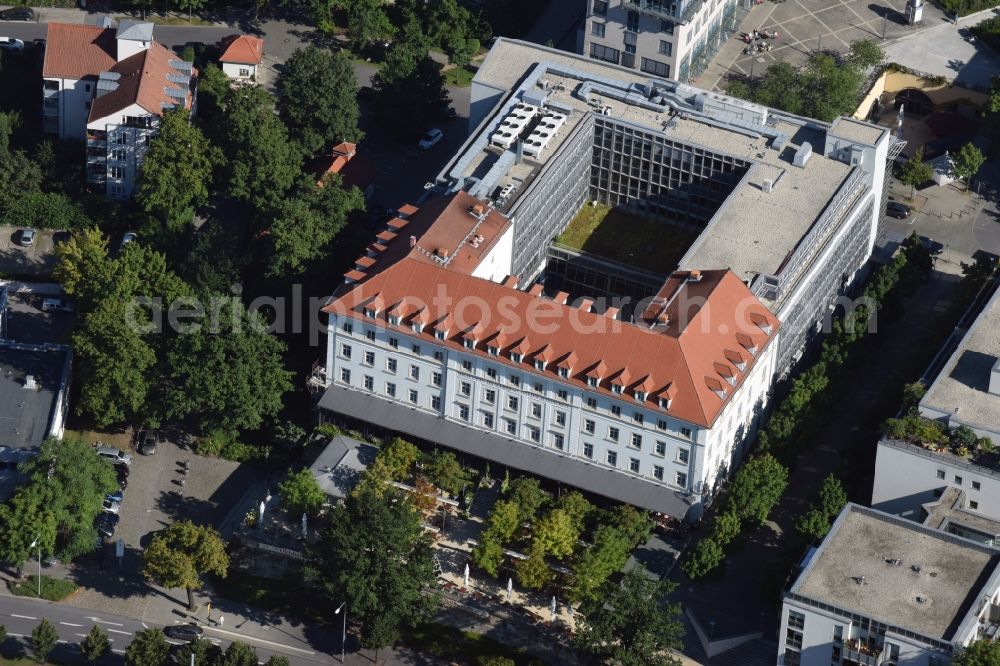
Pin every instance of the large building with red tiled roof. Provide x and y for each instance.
(109, 86)
(465, 325)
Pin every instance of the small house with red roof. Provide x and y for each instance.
(241, 56)
(355, 169)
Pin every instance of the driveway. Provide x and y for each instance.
(17, 260)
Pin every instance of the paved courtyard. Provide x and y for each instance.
(15, 259)
(806, 26)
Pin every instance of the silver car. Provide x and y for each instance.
(111, 506)
(114, 455)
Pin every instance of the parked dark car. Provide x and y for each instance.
(897, 210)
(18, 14)
(107, 518)
(184, 632)
(104, 531)
(147, 440)
(932, 245)
(117, 496)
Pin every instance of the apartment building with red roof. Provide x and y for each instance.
(110, 86)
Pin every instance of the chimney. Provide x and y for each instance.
(995, 378)
(663, 318)
(611, 313)
(510, 281)
(585, 304)
(536, 290)
(478, 210)
(413, 241)
(694, 276)
(561, 298)
(30, 383)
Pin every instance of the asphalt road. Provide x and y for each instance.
(20, 615)
(169, 35)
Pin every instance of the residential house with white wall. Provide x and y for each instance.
(241, 56)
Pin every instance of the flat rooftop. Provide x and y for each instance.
(945, 572)
(962, 388)
(950, 509)
(754, 231)
(25, 413)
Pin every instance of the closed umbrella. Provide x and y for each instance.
(510, 588)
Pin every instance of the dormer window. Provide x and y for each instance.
(732, 380)
(470, 343)
(640, 396)
(592, 382)
(369, 312)
(721, 392)
(514, 356)
(564, 373)
(664, 403)
(766, 327)
(615, 388)
(440, 334)
(539, 364)
(417, 327)
(394, 320)
(493, 351)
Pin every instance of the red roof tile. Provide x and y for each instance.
(143, 81)
(76, 51)
(684, 356)
(242, 50)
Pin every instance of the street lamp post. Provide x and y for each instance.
(343, 632)
(37, 542)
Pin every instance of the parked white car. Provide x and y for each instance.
(432, 138)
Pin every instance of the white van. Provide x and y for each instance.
(114, 455)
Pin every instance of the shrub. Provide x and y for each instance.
(53, 589)
(327, 430)
(703, 559)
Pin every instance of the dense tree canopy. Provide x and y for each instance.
(149, 647)
(410, 91)
(631, 624)
(980, 653)
(300, 493)
(374, 555)
(181, 554)
(177, 171)
(317, 98)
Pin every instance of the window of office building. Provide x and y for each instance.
(511, 426)
(369, 358)
(488, 420)
(414, 396)
(369, 383)
(345, 375)
(633, 465)
(394, 343)
(561, 418)
(658, 473)
(390, 389)
(534, 434)
(681, 479)
(370, 335)
(655, 67)
(632, 21)
(436, 402)
(536, 410)
(601, 7)
(613, 433)
(661, 448)
(612, 458)
(345, 351)
(558, 441)
(463, 412)
(491, 373)
(796, 620)
(465, 388)
(467, 366)
(605, 53)
(616, 410)
(490, 396)
(597, 29)
(682, 456)
(390, 364)
(589, 426)
(588, 450)
(512, 402)
(414, 372)
(666, 48)
(592, 403)
(636, 441)
(667, 27)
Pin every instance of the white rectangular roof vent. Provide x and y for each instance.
(803, 154)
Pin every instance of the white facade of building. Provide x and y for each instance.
(239, 70)
(662, 39)
(126, 137)
(537, 411)
(66, 105)
(884, 591)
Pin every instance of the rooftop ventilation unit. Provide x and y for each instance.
(767, 185)
(803, 154)
(995, 378)
(30, 383)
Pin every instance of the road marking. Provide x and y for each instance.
(97, 619)
(70, 624)
(23, 617)
(168, 640)
(84, 635)
(145, 626)
(118, 651)
(244, 637)
(118, 631)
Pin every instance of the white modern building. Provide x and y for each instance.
(958, 494)
(885, 591)
(641, 387)
(670, 39)
(110, 86)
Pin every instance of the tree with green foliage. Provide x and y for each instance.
(149, 647)
(179, 555)
(367, 22)
(228, 371)
(301, 227)
(177, 171)
(239, 654)
(82, 266)
(190, 6)
(527, 495)
(20, 176)
(865, 54)
(399, 457)
(757, 488)
(726, 527)
(594, 565)
(533, 573)
(915, 171)
(43, 640)
(913, 393)
(577, 507)
(45, 210)
(815, 523)
(263, 163)
(374, 555)
(95, 644)
(317, 98)
(277, 660)
(635, 525)
(410, 91)
(979, 653)
(9, 121)
(3, 638)
(966, 162)
(65, 485)
(446, 472)
(555, 534)
(300, 493)
(491, 660)
(288, 435)
(504, 520)
(488, 555)
(703, 559)
(204, 651)
(213, 89)
(631, 624)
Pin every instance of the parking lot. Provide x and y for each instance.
(36, 260)
(806, 26)
(27, 322)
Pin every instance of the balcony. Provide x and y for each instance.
(864, 653)
(661, 9)
(97, 138)
(96, 173)
(96, 156)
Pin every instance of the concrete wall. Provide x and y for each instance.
(496, 265)
(907, 477)
(235, 71)
(74, 97)
(941, 94)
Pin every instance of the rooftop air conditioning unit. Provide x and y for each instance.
(767, 185)
(30, 383)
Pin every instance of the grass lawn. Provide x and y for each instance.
(118, 439)
(450, 643)
(53, 589)
(458, 77)
(637, 241)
